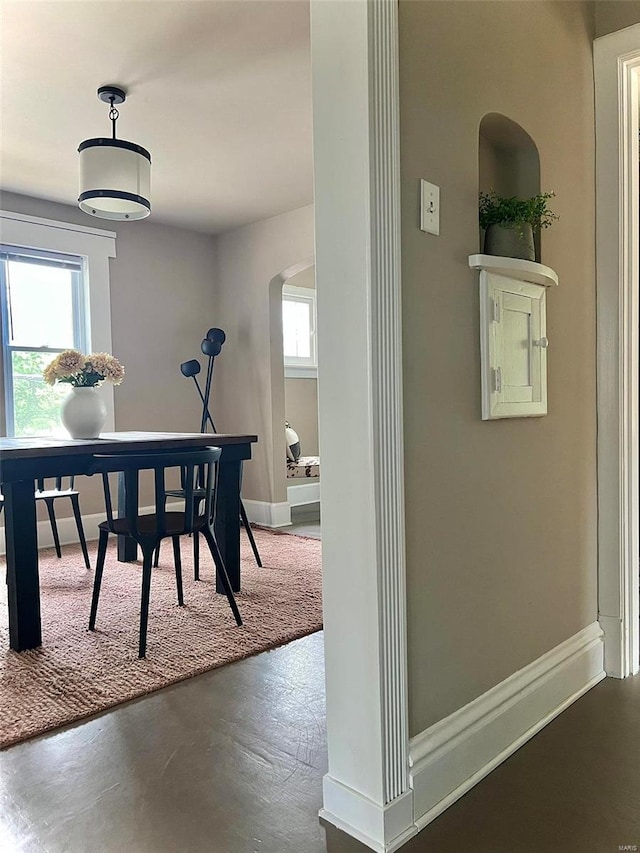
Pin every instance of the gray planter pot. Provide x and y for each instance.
(510, 241)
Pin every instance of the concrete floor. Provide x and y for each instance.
(305, 521)
(232, 762)
(229, 761)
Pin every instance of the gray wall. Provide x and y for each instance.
(249, 382)
(501, 516)
(168, 286)
(162, 285)
(612, 15)
(301, 410)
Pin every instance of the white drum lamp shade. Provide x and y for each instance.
(115, 179)
(115, 175)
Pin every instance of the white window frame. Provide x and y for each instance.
(80, 326)
(302, 368)
(95, 247)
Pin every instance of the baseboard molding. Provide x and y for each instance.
(268, 515)
(381, 828)
(303, 493)
(451, 756)
(67, 530)
(613, 645)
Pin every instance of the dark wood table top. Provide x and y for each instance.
(34, 446)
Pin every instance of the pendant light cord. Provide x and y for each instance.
(114, 115)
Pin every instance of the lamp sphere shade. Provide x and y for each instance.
(216, 335)
(190, 368)
(211, 348)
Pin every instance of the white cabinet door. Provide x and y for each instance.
(513, 347)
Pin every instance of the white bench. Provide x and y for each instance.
(306, 471)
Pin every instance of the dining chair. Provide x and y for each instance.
(198, 472)
(64, 488)
(179, 493)
(50, 496)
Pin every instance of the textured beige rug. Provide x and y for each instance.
(77, 673)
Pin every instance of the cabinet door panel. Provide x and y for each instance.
(513, 347)
(516, 346)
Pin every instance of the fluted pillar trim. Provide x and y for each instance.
(386, 339)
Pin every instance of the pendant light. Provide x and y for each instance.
(115, 175)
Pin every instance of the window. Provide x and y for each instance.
(52, 297)
(299, 331)
(42, 312)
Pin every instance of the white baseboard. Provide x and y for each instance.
(613, 663)
(268, 515)
(451, 756)
(67, 530)
(382, 828)
(303, 493)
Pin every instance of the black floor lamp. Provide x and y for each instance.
(211, 346)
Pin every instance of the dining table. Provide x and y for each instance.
(23, 460)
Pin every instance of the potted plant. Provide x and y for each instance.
(509, 223)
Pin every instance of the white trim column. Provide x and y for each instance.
(354, 50)
(616, 66)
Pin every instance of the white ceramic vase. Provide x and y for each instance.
(83, 413)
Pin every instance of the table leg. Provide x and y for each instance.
(127, 547)
(227, 526)
(25, 630)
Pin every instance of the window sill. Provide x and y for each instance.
(299, 372)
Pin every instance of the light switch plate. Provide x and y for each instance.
(429, 208)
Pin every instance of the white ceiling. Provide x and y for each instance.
(219, 92)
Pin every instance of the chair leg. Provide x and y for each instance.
(196, 555)
(178, 564)
(54, 525)
(156, 558)
(97, 580)
(252, 541)
(222, 572)
(147, 559)
(75, 503)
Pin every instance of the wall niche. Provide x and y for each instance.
(508, 162)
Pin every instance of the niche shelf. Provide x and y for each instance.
(515, 268)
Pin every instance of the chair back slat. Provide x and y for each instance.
(59, 484)
(211, 492)
(189, 501)
(107, 498)
(198, 471)
(161, 494)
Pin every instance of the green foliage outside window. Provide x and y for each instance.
(36, 405)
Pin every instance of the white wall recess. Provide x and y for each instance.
(513, 340)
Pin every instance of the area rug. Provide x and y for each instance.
(76, 673)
